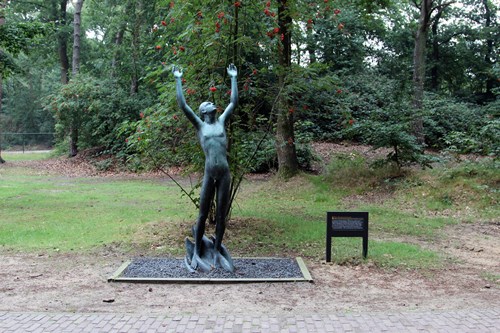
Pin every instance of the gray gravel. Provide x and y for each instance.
(262, 268)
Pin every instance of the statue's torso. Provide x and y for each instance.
(213, 140)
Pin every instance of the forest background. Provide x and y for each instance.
(409, 75)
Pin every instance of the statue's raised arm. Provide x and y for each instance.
(233, 73)
(181, 101)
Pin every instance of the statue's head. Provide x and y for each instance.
(207, 108)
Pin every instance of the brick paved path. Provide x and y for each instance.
(429, 321)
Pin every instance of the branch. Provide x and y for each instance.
(449, 38)
(440, 8)
(416, 4)
(157, 165)
(36, 4)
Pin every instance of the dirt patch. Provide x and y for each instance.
(56, 282)
(70, 282)
(89, 164)
(475, 246)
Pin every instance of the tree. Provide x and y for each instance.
(285, 137)
(3, 4)
(489, 55)
(59, 15)
(299, 63)
(74, 124)
(430, 11)
(77, 21)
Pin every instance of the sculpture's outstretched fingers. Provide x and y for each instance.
(176, 71)
(231, 70)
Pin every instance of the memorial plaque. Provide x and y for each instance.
(346, 224)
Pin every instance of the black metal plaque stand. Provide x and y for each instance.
(346, 224)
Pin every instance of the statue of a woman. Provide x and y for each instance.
(206, 254)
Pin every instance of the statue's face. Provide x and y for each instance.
(207, 108)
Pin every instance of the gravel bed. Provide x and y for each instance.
(169, 268)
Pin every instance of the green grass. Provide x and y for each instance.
(384, 253)
(391, 219)
(40, 212)
(492, 277)
(28, 156)
(45, 213)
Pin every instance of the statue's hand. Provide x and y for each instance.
(177, 72)
(231, 70)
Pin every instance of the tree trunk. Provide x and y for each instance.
(118, 42)
(490, 80)
(419, 69)
(73, 130)
(311, 43)
(134, 80)
(1, 95)
(3, 4)
(435, 54)
(77, 21)
(285, 140)
(59, 16)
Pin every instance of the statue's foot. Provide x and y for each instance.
(193, 260)
(198, 263)
(208, 258)
(221, 260)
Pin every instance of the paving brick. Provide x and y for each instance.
(462, 321)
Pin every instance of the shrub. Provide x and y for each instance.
(390, 127)
(96, 109)
(445, 117)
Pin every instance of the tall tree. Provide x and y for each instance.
(435, 53)
(74, 126)
(489, 55)
(285, 139)
(59, 15)
(430, 10)
(138, 14)
(3, 5)
(117, 42)
(77, 21)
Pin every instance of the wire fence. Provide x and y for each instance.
(26, 141)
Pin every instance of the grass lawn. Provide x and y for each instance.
(28, 156)
(50, 212)
(54, 213)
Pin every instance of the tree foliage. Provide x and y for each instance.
(348, 75)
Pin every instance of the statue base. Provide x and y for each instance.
(209, 257)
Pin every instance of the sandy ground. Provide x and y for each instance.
(78, 283)
(75, 282)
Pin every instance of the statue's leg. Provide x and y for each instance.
(206, 197)
(222, 257)
(223, 196)
(195, 251)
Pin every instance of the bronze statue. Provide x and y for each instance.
(205, 253)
